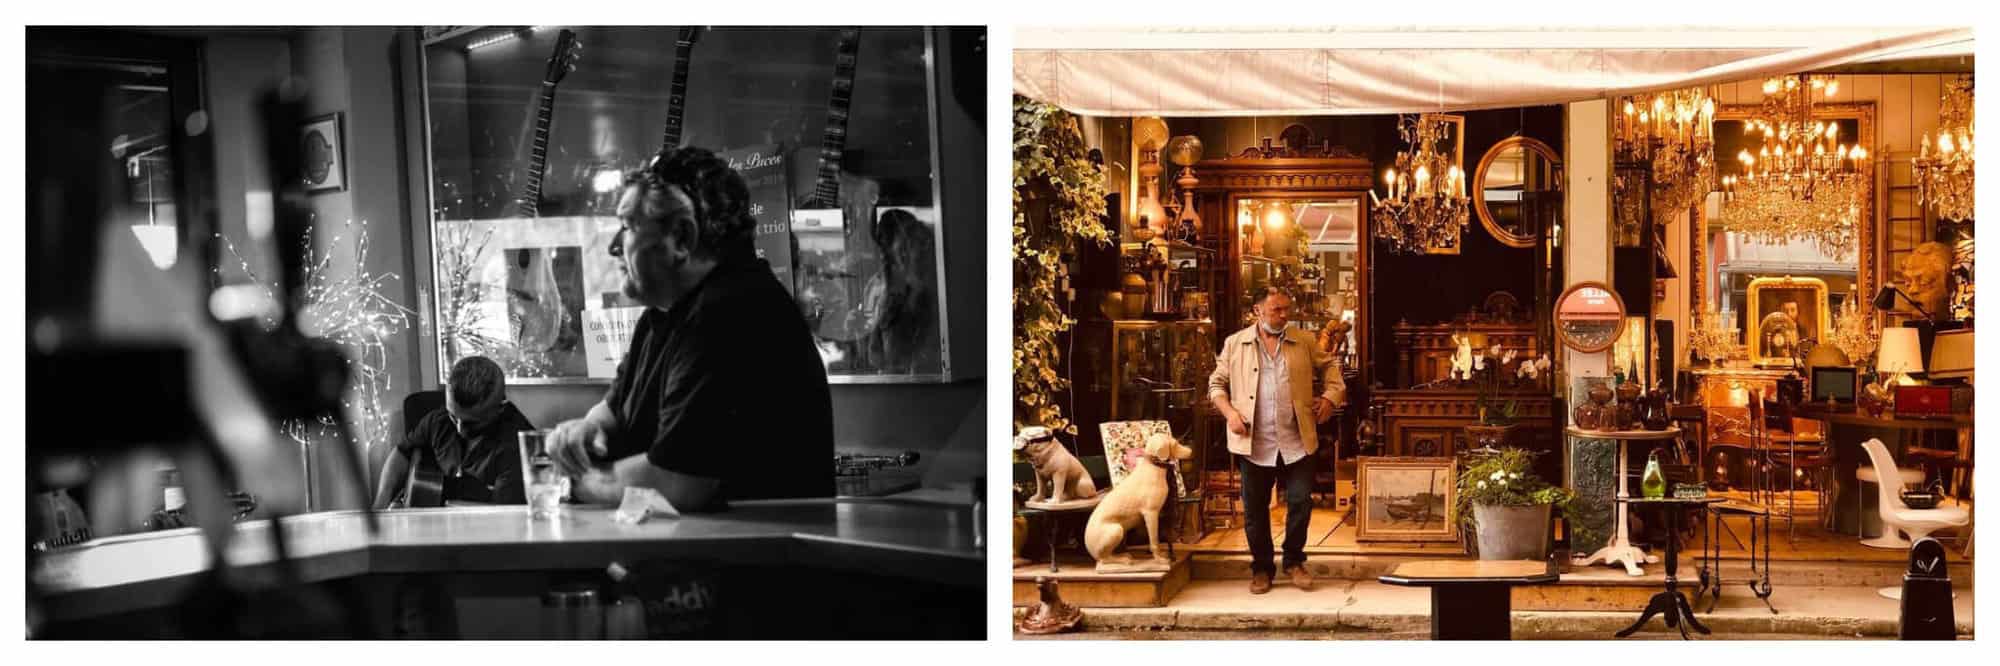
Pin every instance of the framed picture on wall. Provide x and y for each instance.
(323, 154)
(1783, 311)
(1406, 499)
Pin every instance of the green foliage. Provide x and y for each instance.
(1506, 478)
(1058, 200)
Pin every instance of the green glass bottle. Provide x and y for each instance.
(1653, 485)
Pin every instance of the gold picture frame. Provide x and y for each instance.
(1406, 499)
(1765, 297)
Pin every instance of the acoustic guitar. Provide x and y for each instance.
(561, 62)
(426, 485)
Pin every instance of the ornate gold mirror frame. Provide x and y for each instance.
(1486, 219)
(1867, 252)
(1819, 320)
(1570, 338)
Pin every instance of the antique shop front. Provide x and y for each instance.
(1592, 358)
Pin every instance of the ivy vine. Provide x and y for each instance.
(1058, 201)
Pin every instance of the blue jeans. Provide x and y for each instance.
(1257, 480)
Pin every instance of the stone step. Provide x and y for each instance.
(1387, 611)
(1219, 566)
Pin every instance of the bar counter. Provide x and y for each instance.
(898, 537)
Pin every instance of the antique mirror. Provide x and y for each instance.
(1729, 263)
(1292, 213)
(1517, 190)
(1589, 316)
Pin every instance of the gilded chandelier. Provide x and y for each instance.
(1802, 183)
(1674, 132)
(1426, 205)
(1944, 175)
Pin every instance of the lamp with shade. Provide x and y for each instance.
(1900, 355)
(1951, 356)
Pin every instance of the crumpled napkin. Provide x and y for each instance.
(642, 503)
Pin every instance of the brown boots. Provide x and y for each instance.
(1260, 582)
(1301, 578)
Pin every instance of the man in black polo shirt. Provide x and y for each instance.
(722, 395)
(472, 439)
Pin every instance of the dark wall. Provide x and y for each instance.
(1428, 289)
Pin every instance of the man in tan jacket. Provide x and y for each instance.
(1262, 387)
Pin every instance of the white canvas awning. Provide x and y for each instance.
(1340, 71)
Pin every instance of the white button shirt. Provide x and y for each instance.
(1274, 430)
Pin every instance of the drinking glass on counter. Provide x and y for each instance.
(544, 484)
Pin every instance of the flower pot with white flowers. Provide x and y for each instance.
(1506, 507)
(1493, 371)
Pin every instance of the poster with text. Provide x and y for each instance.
(763, 169)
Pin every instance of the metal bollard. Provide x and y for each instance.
(572, 611)
(1927, 612)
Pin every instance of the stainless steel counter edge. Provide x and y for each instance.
(918, 540)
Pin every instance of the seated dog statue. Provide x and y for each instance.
(1059, 477)
(1139, 498)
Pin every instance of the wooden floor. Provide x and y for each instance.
(1806, 540)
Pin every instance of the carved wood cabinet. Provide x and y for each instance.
(1431, 422)
(1424, 351)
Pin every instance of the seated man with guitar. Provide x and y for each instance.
(722, 395)
(466, 451)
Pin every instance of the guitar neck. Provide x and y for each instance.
(677, 99)
(826, 192)
(538, 154)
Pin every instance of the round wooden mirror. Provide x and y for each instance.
(1512, 188)
(1588, 316)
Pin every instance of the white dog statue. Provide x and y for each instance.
(1137, 499)
(1059, 478)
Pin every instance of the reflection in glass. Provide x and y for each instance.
(1308, 247)
(855, 237)
(1588, 317)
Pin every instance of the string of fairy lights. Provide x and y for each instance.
(350, 308)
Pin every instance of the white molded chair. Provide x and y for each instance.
(1899, 517)
(1865, 475)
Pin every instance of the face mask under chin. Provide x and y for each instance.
(1268, 328)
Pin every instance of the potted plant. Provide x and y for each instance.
(1502, 502)
(1490, 371)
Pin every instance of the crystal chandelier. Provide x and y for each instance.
(1712, 338)
(1802, 183)
(1944, 176)
(1854, 331)
(1674, 132)
(1426, 205)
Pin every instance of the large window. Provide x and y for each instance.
(853, 232)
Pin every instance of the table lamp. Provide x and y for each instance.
(1885, 300)
(1900, 354)
(1951, 355)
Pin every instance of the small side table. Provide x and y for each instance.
(1052, 513)
(1670, 603)
(1471, 599)
(1620, 550)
